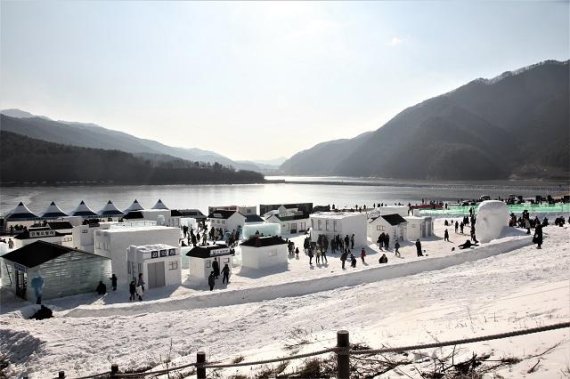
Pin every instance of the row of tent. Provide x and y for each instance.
(22, 212)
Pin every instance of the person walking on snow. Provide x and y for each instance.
(538, 236)
(343, 258)
(352, 241)
(446, 235)
(362, 255)
(226, 274)
(114, 282)
(396, 249)
(352, 261)
(132, 290)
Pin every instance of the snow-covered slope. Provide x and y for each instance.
(511, 291)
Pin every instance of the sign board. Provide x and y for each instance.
(216, 252)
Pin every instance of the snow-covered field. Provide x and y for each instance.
(444, 296)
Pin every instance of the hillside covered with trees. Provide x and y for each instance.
(28, 161)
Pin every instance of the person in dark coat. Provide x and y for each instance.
(343, 258)
(383, 259)
(114, 282)
(132, 290)
(387, 241)
(362, 255)
(538, 236)
(226, 274)
(352, 260)
(352, 241)
(446, 235)
(456, 226)
(419, 247)
(211, 281)
(101, 288)
(216, 268)
(467, 245)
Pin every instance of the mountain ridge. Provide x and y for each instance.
(520, 120)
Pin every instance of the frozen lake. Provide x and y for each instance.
(340, 191)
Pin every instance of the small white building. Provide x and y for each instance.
(201, 259)
(340, 223)
(264, 252)
(290, 224)
(418, 227)
(159, 264)
(43, 233)
(393, 225)
(243, 209)
(227, 220)
(83, 235)
(115, 241)
(65, 271)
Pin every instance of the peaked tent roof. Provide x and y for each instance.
(110, 210)
(135, 206)
(53, 211)
(83, 210)
(40, 252)
(160, 205)
(21, 212)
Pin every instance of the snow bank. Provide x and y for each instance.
(301, 288)
(492, 219)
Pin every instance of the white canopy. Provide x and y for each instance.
(83, 210)
(21, 212)
(53, 211)
(160, 205)
(135, 206)
(110, 210)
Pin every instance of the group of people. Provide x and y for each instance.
(383, 241)
(215, 274)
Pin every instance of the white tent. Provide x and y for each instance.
(53, 211)
(21, 212)
(110, 210)
(135, 206)
(83, 210)
(159, 205)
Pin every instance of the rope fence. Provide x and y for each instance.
(342, 351)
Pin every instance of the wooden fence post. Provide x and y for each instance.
(114, 370)
(200, 360)
(342, 355)
(61, 375)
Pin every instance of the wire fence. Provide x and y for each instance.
(342, 351)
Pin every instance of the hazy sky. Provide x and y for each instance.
(257, 80)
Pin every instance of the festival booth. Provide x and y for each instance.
(340, 223)
(418, 227)
(110, 212)
(53, 211)
(19, 216)
(159, 264)
(63, 270)
(259, 252)
(115, 241)
(394, 225)
(201, 259)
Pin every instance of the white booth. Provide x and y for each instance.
(340, 223)
(201, 259)
(264, 252)
(418, 227)
(159, 264)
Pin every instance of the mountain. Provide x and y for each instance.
(94, 136)
(25, 161)
(513, 126)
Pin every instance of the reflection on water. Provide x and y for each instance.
(369, 191)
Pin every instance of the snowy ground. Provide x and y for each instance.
(515, 290)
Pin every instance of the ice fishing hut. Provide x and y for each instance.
(159, 264)
(65, 271)
(394, 225)
(202, 257)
